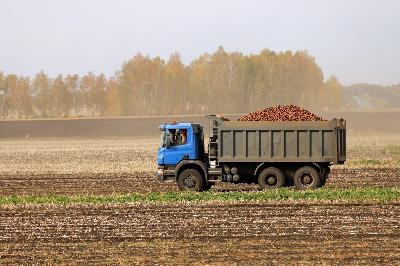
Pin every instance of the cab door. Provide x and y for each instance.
(181, 147)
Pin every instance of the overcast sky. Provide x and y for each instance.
(358, 41)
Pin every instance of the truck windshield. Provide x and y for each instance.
(176, 136)
(179, 137)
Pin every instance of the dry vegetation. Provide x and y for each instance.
(373, 151)
(78, 156)
(139, 155)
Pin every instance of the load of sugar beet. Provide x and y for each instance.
(282, 113)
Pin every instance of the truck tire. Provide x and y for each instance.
(306, 177)
(324, 178)
(207, 187)
(271, 178)
(191, 180)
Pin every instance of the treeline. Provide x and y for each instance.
(221, 82)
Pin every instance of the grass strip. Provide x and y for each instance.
(380, 195)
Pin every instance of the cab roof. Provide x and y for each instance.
(196, 127)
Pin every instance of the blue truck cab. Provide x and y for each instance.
(181, 148)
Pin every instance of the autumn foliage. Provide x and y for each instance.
(221, 82)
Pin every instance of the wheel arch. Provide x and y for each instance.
(260, 167)
(191, 164)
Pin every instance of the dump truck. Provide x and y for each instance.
(271, 153)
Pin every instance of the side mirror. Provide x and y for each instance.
(168, 142)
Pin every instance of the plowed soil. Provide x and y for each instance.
(198, 233)
(144, 182)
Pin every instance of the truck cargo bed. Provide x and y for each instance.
(294, 141)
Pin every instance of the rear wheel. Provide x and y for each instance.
(306, 177)
(207, 187)
(324, 178)
(190, 180)
(270, 178)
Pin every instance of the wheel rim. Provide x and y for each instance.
(271, 180)
(306, 179)
(189, 182)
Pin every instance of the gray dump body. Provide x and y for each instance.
(298, 141)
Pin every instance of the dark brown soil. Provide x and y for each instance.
(200, 233)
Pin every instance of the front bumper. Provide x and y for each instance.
(160, 174)
(165, 175)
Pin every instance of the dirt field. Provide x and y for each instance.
(238, 233)
(215, 233)
(106, 166)
(145, 182)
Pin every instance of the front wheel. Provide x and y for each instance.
(306, 177)
(190, 180)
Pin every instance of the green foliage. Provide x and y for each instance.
(369, 162)
(380, 195)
